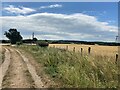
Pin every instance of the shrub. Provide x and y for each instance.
(18, 43)
(43, 44)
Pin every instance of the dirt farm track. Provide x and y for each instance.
(16, 71)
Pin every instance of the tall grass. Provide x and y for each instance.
(2, 56)
(76, 70)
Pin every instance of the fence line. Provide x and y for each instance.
(82, 50)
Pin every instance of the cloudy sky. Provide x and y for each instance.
(62, 20)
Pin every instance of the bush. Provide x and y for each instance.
(43, 44)
(18, 43)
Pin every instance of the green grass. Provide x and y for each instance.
(2, 56)
(74, 70)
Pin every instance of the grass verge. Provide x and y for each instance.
(2, 55)
(74, 70)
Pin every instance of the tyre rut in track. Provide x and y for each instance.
(37, 79)
(17, 75)
(4, 66)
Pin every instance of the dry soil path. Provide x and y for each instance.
(4, 66)
(20, 74)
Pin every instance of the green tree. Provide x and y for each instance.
(13, 35)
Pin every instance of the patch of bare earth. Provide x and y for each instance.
(17, 75)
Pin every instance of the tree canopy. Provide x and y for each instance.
(13, 35)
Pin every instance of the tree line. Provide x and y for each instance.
(14, 36)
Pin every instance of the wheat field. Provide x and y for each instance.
(95, 49)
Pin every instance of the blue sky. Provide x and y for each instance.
(91, 21)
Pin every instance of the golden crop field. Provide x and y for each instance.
(95, 49)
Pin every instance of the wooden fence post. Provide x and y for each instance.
(116, 58)
(73, 49)
(67, 47)
(89, 50)
(81, 51)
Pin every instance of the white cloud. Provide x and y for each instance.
(61, 26)
(18, 10)
(51, 6)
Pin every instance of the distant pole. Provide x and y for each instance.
(116, 40)
(32, 38)
(32, 35)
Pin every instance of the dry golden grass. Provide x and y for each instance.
(95, 49)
